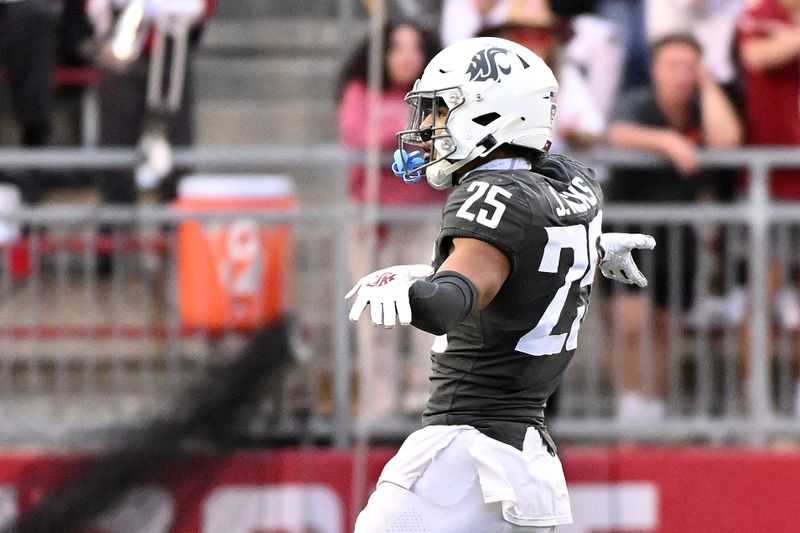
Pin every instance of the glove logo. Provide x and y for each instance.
(383, 279)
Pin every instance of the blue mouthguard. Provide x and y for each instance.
(405, 165)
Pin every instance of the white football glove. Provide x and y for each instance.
(386, 292)
(616, 261)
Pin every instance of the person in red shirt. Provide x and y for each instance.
(769, 49)
(407, 49)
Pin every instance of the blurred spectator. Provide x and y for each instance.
(769, 48)
(769, 51)
(408, 47)
(581, 48)
(579, 122)
(685, 110)
(74, 33)
(124, 112)
(596, 52)
(462, 19)
(711, 22)
(27, 55)
(629, 18)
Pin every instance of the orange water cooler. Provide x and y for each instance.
(234, 273)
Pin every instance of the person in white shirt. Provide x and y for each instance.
(462, 19)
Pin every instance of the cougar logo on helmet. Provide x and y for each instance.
(483, 65)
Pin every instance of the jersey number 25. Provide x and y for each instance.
(478, 190)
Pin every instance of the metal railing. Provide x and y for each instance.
(88, 352)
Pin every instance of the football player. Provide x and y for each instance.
(509, 286)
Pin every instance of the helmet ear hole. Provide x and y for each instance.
(486, 119)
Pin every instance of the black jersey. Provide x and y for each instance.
(502, 363)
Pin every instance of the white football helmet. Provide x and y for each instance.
(488, 92)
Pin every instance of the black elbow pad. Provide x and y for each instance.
(441, 304)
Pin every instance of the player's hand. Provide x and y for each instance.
(616, 261)
(386, 292)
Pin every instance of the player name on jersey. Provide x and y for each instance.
(578, 198)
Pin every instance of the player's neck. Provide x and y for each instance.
(506, 163)
(503, 152)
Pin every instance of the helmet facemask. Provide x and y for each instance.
(426, 142)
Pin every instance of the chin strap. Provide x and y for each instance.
(488, 144)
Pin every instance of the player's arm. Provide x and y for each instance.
(470, 276)
(467, 281)
(481, 263)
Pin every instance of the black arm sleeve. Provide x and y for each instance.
(441, 304)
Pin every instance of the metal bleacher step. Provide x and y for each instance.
(253, 36)
(262, 8)
(270, 122)
(268, 80)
